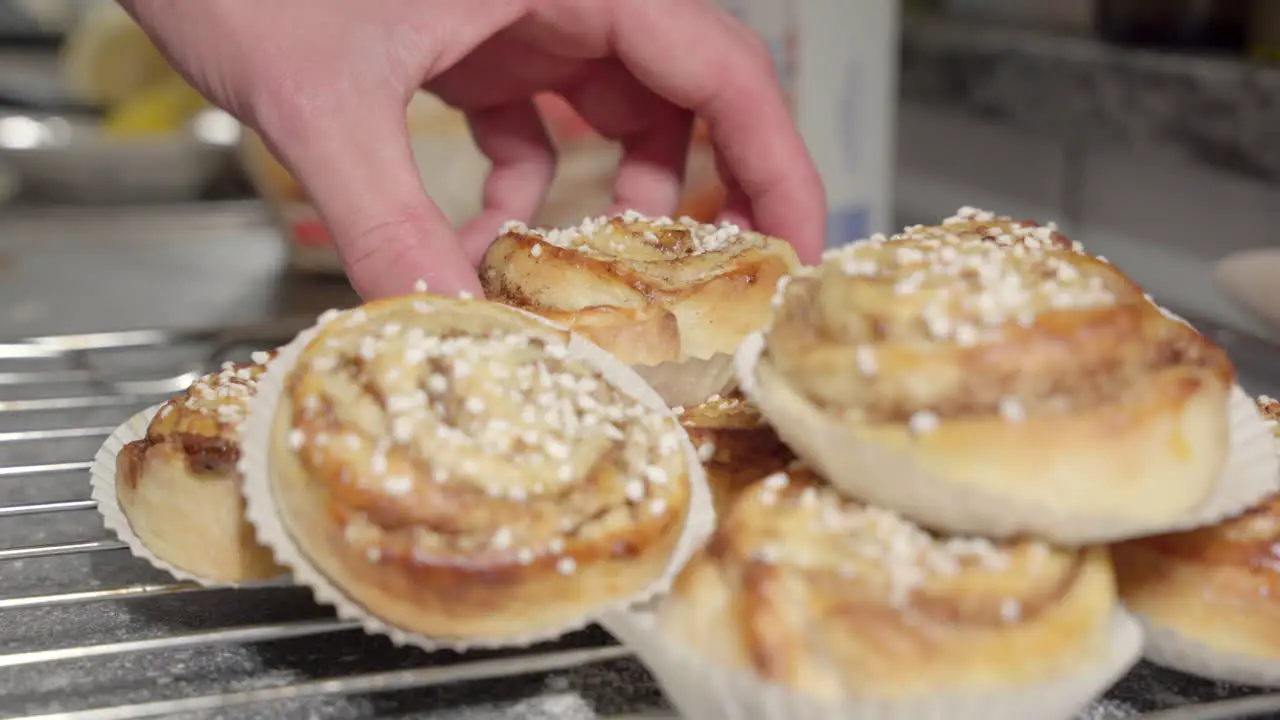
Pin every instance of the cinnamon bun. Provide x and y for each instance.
(179, 487)
(1218, 585)
(949, 371)
(737, 447)
(828, 597)
(648, 290)
(454, 469)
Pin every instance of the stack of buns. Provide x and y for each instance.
(918, 452)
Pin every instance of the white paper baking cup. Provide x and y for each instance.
(264, 513)
(102, 482)
(686, 383)
(1250, 473)
(1167, 647)
(703, 692)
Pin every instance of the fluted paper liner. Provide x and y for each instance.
(102, 482)
(686, 383)
(701, 691)
(264, 514)
(892, 481)
(1168, 647)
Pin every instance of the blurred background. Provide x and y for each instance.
(1149, 129)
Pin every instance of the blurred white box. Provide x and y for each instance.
(838, 60)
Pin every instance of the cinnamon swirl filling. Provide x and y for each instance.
(462, 435)
(791, 533)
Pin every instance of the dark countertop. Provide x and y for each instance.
(1221, 111)
(210, 265)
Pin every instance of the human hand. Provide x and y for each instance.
(326, 83)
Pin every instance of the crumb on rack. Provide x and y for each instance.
(843, 534)
(510, 414)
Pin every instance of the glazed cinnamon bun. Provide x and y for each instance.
(648, 290)
(828, 597)
(452, 467)
(179, 487)
(1218, 585)
(988, 376)
(737, 447)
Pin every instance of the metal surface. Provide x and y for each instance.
(87, 631)
(68, 158)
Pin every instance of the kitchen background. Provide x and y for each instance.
(1148, 129)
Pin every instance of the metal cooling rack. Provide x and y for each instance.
(87, 631)
(75, 606)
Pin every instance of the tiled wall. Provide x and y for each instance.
(1164, 222)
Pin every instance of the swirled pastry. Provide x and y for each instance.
(737, 447)
(451, 466)
(648, 290)
(179, 487)
(991, 356)
(806, 588)
(1219, 585)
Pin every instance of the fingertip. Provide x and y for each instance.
(479, 234)
(390, 259)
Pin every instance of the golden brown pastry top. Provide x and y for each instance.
(844, 554)
(711, 283)
(1250, 540)
(204, 422)
(980, 315)
(721, 412)
(458, 431)
(735, 444)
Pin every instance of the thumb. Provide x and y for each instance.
(359, 171)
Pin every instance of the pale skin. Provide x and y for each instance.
(326, 83)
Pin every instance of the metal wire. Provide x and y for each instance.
(78, 350)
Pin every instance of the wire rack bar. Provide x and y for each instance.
(360, 684)
(55, 434)
(127, 592)
(45, 469)
(87, 402)
(39, 551)
(224, 636)
(46, 508)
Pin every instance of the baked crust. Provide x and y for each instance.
(453, 470)
(807, 588)
(1219, 585)
(647, 290)
(737, 447)
(999, 356)
(179, 487)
